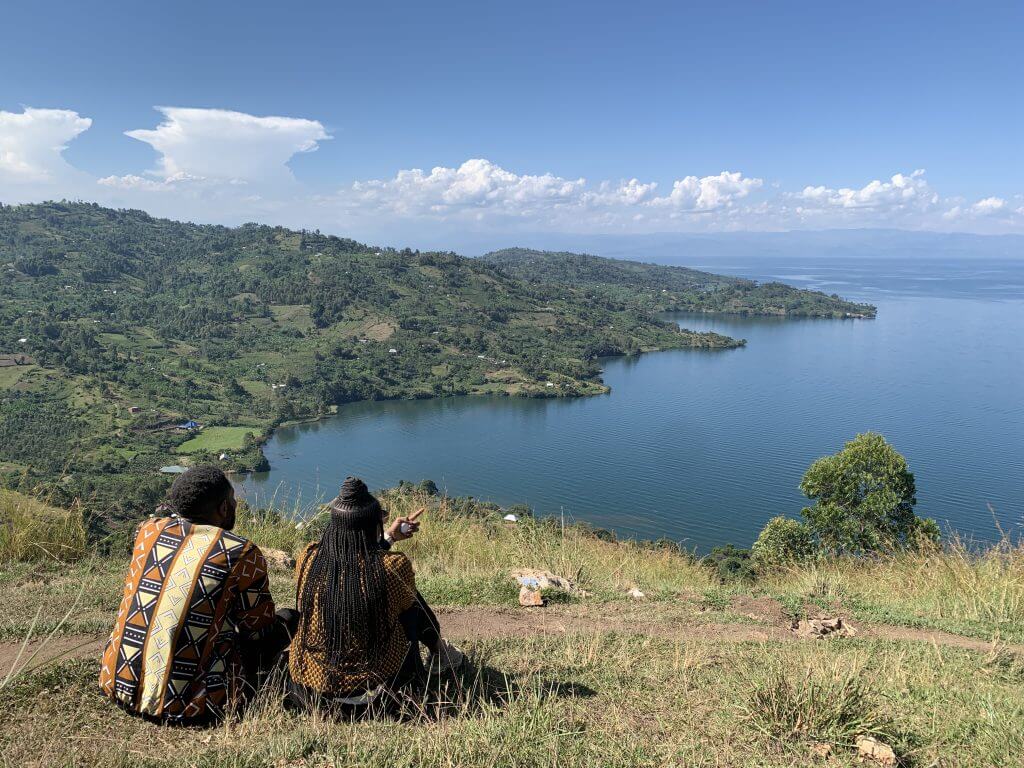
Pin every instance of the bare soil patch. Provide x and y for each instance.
(495, 623)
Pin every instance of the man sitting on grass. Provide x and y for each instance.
(196, 629)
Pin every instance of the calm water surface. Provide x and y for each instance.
(704, 447)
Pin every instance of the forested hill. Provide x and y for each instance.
(116, 326)
(659, 287)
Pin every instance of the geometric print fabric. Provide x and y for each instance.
(192, 592)
(307, 661)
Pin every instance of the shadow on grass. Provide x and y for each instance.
(474, 691)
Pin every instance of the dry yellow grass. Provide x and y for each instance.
(466, 558)
(456, 547)
(618, 696)
(31, 530)
(580, 700)
(972, 591)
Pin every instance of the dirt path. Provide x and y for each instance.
(493, 623)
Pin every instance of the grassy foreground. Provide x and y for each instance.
(694, 690)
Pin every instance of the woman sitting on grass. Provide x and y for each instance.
(362, 618)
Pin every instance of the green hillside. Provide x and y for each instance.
(117, 327)
(125, 326)
(659, 287)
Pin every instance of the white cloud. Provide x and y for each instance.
(32, 144)
(632, 192)
(141, 183)
(993, 209)
(900, 192)
(221, 146)
(219, 165)
(479, 189)
(708, 193)
(476, 185)
(989, 205)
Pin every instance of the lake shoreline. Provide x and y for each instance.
(711, 446)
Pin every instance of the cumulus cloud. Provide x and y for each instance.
(986, 210)
(476, 185)
(221, 146)
(479, 188)
(989, 206)
(708, 193)
(632, 192)
(221, 165)
(899, 192)
(32, 144)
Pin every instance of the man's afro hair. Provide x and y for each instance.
(198, 491)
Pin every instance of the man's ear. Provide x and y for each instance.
(219, 515)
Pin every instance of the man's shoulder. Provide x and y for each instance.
(233, 538)
(225, 548)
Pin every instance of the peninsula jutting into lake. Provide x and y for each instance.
(154, 343)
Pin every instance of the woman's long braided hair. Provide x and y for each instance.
(343, 595)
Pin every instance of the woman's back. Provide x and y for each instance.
(361, 668)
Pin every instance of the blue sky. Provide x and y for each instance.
(561, 103)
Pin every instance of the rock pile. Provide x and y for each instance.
(531, 581)
(824, 627)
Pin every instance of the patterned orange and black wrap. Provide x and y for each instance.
(191, 594)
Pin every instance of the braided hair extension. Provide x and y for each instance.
(343, 595)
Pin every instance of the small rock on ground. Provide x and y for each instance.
(530, 598)
(869, 748)
(822, 749)
(538, 579)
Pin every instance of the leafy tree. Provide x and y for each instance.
(864, 499)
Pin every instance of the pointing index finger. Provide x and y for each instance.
(412, 518)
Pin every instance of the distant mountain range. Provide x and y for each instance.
(689, 249)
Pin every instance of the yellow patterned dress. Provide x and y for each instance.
(192, 592)
(310, 668)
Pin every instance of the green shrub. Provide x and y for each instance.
(864, 499)
(783, 542)
(730, 564)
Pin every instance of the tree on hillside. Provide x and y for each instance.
(864, 499)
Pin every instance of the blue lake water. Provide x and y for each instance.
(704, 447)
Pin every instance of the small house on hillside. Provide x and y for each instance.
(173, 469)
(190, 425)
